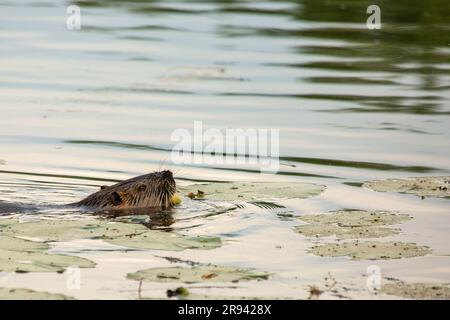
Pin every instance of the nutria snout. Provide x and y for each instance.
(153, 190)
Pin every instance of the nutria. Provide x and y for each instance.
(154, 190)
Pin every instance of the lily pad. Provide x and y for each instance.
(231, 191)
(65, 230)
(196, 274)
(351, 224)
(159, 240)
(19, 255)
(371, 250)
(118, 233)
(26, 294)
(421, 186)
(328, 230)
(419, 291)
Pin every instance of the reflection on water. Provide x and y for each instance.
(413, 42)
(81, 108)
(342, 95)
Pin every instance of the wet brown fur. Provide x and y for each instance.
(153, 190)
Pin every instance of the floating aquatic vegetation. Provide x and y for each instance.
(122, 234)
(330, 287)
(178, 292)
(256, 191)
(371, 250)
(198, 296)
(356, 218)
(419, 291)
(314, 292)
(176, 199)
(351, 224)
(26, 294)
(65, 230)
(421, 186)
(160, 240)
(19, 255)
(204, 273)
(327, 230)
(199, 195)
(355, 224)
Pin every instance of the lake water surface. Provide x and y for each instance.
(87, 107)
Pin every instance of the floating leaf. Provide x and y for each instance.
(19, 255)
(356, 218)
(371, 250)
(160, 240)
(421, 186)
(196, 274)
(255, 191)
(327, 230)
(26, 294)
(65, 230)
(420, 291)
(351, 224)
(118, 233)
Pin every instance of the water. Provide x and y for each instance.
(83, 108)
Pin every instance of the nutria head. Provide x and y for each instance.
(153, 190)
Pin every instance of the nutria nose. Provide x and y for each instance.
(167, 174)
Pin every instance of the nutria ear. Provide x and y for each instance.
(117, 198)
(103, 187)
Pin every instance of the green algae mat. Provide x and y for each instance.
(204, 273)
(26, 294)
(245, 191)
(371, 250)
(24, 246)
(352, 225)
(19, 255)
(419, 291)
(128, 235)
(420, 186)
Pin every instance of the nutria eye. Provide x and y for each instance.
(116, 198)
(142, 187)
